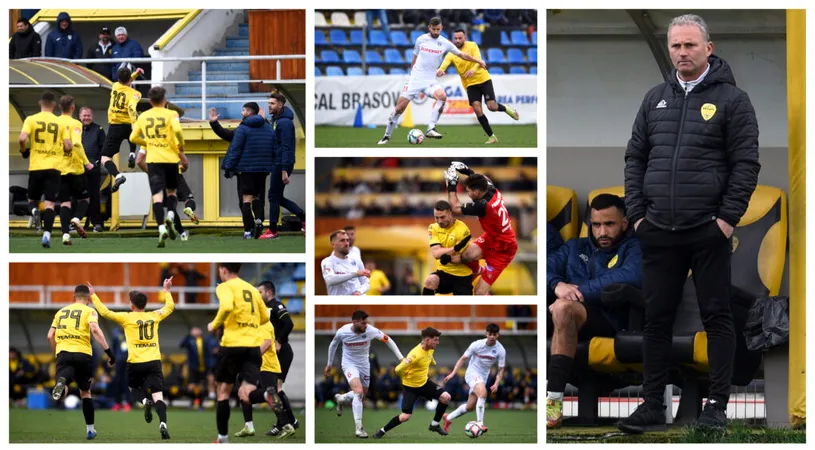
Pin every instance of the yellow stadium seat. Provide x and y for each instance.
(561, 210)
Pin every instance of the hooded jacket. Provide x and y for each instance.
(129, 49)
(692, 157)
(27, 44)
(63, 44)
(286, 140)
(253, 147)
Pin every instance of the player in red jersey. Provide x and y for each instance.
(498, 243)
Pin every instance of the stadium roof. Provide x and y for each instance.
(105, 15)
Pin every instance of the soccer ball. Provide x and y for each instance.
(415, 136)
(71, 402)
(431, 405)
(473, 429)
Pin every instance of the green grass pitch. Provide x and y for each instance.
(504, 427)
(469, 136)
(62, 427)
(737, 432)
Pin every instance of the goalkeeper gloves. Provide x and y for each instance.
(451, 177)
(461, 168)
(111, 358)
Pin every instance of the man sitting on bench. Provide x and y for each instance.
(576, 275)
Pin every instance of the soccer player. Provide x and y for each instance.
(415, 382)
(144, 371)
(343, 274)
(283, 325)
(70, 338)
(353, 250)
(476, 81)
(121, 117)
(355, 339)
(483, 354)
(183, 193)
(427, 57)
(49, 145)
(73, 183)
(498, 244)
(241, 312)
(448, 236)
(161, 129)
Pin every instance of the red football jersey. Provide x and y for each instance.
(496, 221)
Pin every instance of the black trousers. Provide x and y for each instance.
(94, 178)
(666, 258)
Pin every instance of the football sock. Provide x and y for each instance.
(392, 424)
(90, 428)
(480, 405)
(426, 291)
(158, 212)
(161, 411)
(485, 124)
(172, 203)
(65, 219)
(81, 209)
(460, 411)
(502, 108)
(111, 168)
(257, 209)
(440, 409)
(247, 411)
(357, 407)
(435, 115)
(284, 399)
(177, 221)
(222, 417)
(347, 397)
(190, 204)
(32, 206)
(554, 395)
(256, 397)
(87, 411)
(433, 423)
(248, 220)
(48, 217)
(392, 121)
(559, 369)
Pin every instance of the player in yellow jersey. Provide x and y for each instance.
(143, 353)
(476, 81)
(164, 143)
(448, 236)
(70, 338)
(74, 184)
(242, 312)
(121, 117)
(49, 145)
(416, 383)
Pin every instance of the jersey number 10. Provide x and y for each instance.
(147, 330)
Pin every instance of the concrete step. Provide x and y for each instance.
(230, 52)
(237, 42)
(195, 75)
(243, 30)
(192, 90)
(227, 66)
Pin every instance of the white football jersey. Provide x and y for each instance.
(483, 356)
(356, 347)
(429, 56)
(354, 252)
(333, 267)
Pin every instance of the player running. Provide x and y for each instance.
(121, 117)
(70, 338)
(343, 274)
(428, 53)
(498, 244)
(73, 183)
(183, 193)
(482, 354)
(476, 81)
(161, 129)
(49, 145)
(144, 371)
(356, 338)
(416, 383)
(448, 236)
(241, 312)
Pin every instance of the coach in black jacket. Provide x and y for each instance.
(93, 139)
(690, 168)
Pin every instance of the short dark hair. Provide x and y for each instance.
(65, 103)
(48, 97)
(435, 21)
(139, 299)
(23, 21)
(605, 201)
(460, 30)
(156, 94)
(477, 181)
(231, 267)
(442, 205)
(279, 97)
(268, 285)
(252, 106)
(359, 315)
(334, 234)
(349, 227)
(82, 291)
(493, 328)
(430, 332)
(123, 74)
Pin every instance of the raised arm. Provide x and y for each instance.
(118, 317)
(169, 304)
(392, 346)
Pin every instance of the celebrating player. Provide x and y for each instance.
(356, 338)
(498, 243)
(416, 383)
(241, 311)
(343, 274)
(49, 145)
(70, 338)
(121, 117)
(73, 183)
(143, 353)
(476, 81)
(482, 354)
(161, 130)
(183, 193)
(448, 236)
(427, 57)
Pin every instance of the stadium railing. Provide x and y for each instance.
(470, 325)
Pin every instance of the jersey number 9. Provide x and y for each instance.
(247, 297)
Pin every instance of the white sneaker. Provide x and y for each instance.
(185, 235)
(384, 140)
(338, 401)
(433, 134)
(360, 433)
(66, 239)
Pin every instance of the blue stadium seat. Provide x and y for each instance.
(378, 38)
(408, 55)
(317, 72)
(398, 71)
(532, 54)
(495, 56)
(319, 38)
(514, 70)
(373, 57)
(518, 37)
(535, 38)
(451, 70)
(444, 35)
(505, 42)
(415, 35)
(373, 70)
(329, 56)
(357, 71)
(351, 57)
(300, 273)
(399, 39)
(475, 36)
(515, 56)
(393, 56)
(287, 289)
(533, 70)
(497, 71)
(356, 37)
(337, 37)
(333, 71)
(295, 306)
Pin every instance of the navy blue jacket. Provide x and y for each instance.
(188, 344)
(553, 239)
(286, 139)
(253, 147)
(93, 139)
(63, 44)
(130, 49)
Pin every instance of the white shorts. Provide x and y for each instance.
(411, 90)
(472, 379)
(363, 373)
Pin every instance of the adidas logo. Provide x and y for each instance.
(662, 104)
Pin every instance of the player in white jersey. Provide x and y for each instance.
(356, 338)
(482, 354)
(428, 54)
(353, 250)
(343, 274)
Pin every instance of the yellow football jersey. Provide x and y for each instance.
(270, 361)
(73, 325)
(413, 369)
(161, 128)
(241, 312)
(123, 101)
(141, 328)
(479, 75)
(74, 162)
(378, 281)
(47, 141)
(456, 235)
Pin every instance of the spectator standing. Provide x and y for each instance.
(379, 280)
(93, 140)
(25, 43)
(382, 15)
(118, 388)
(102, 50)
(63, 42)
(128, 48)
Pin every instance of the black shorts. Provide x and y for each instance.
(48, 182)
(233, 361)
(476, 91)
(73, 186)
(184, 192)
(252, 183)
(117, 133)
(197, 377)
(268, 379)
(146, 375)
(598, 324)
(75, 366)
(162, 176)
(452, 284)
(285, 356)
(429, 391)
